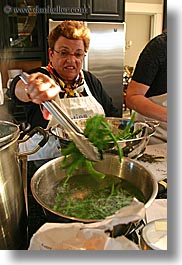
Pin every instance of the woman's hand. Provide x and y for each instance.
(40, 88)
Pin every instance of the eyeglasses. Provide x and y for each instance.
(65, 54)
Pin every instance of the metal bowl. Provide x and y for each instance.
(132, 148)
(47, 178)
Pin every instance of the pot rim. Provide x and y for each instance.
(13, 135)
(145, 125)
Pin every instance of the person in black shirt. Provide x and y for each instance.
(147, 91)
(78, 92)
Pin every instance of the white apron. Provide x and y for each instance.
(160, 135)
(77, 108)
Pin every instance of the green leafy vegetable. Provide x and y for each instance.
(126, 132)
(77, 160)
(99, 132)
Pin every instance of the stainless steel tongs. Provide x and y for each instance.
(74, 131)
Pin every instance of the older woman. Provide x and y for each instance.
(77, 91)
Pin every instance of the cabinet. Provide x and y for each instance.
(89, 10)
(20, 27)
(22, 41)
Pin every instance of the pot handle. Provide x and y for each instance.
(24, 127)
(39, 130)
(152, 123)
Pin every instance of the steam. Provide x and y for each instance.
(5, 114)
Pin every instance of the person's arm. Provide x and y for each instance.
(136, 100)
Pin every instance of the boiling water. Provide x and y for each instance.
(85, 198)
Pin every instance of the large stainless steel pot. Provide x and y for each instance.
(47, 178)
(13, 214)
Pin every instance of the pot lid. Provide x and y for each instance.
(8, 132)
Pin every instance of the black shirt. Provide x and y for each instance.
(34, 114)
(151, 67)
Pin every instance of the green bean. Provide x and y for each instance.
(98, 131)
(97, 175)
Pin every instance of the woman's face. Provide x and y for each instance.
(67, 58)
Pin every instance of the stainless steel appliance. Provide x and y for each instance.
(105, 58)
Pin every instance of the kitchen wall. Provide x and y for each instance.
(25, 65)
(145, 1)
(144, 20)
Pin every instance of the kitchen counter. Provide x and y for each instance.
(155, 160)
(157, 164)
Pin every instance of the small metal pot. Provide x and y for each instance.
(13, 214)
(154, 235)
(47, 178)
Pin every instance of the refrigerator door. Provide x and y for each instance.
(105, 58)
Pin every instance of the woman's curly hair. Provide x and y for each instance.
(70, 29)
